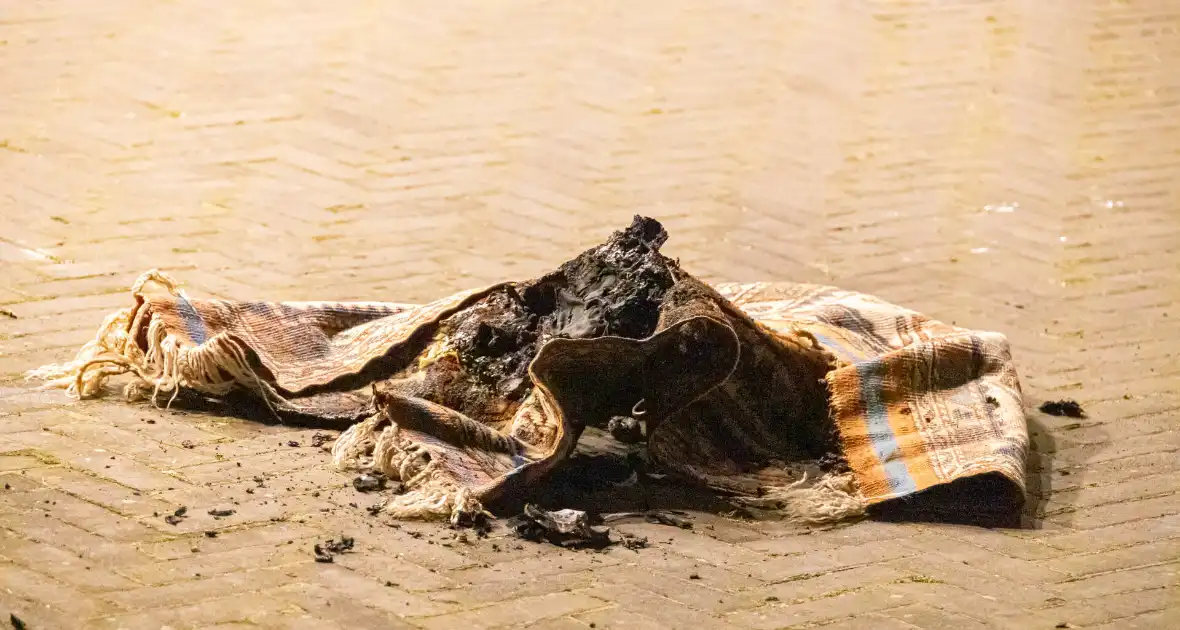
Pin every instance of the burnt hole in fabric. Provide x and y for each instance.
(615, 289)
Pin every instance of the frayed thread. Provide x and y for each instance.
(374, 445)
(166, 366)
(831, 499)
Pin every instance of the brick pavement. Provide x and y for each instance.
(1010, 165)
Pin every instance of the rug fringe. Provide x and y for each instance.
(165, 366)
(831, 499)
(373, 444)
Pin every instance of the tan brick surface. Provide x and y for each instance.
(1002, 164)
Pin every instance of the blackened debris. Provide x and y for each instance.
(369, 482)
(292, 443)
(321, 554)
(176, 517)
(210, 534)
(565, 528)
(833, 463)
(633, 542)
(375, 509)
(658, 517)
(480, 522)
(17, 622)
(327, 551)
(613, 289)
(10, 315)
(625, 429)
(1067, 408)
(664, 517)
(219, 512)
(320, 439)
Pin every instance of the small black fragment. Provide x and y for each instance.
(180, 511)
(173, 519)
(327, 551)
(321, 554)
(369, 482)
(293, 444)
(17, 622)
(319, 439)
(477, 521)
(375, 509)
(219, 512)
(625, 429)
(1065, 407)
(694, 576)
(210, 534)
(633, 542)
(346, 543)
(565, 528)
(664, 517)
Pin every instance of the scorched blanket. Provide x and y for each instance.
(479, 396)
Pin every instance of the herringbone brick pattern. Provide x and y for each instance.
(1004, 164)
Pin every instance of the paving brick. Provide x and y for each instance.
(931, 618)
(855, 603)
(516, 612)
(617, 618)
(233, 539)
(324, 604)
(1117, 559)
(1159, 620)
(380, 594)
(818, 586)
(29, 590)
(252, 608)
(1145, 530)
(977, 580)
(1157, 576)
(872, 621)
(636, 601)
(202, 564)
(82, 514)
(683, 587)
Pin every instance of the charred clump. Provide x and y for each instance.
(613, 289)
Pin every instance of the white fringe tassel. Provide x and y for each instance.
(374, 444)
(166, 366)
(832, 499)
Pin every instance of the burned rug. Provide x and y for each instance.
(475, 399)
